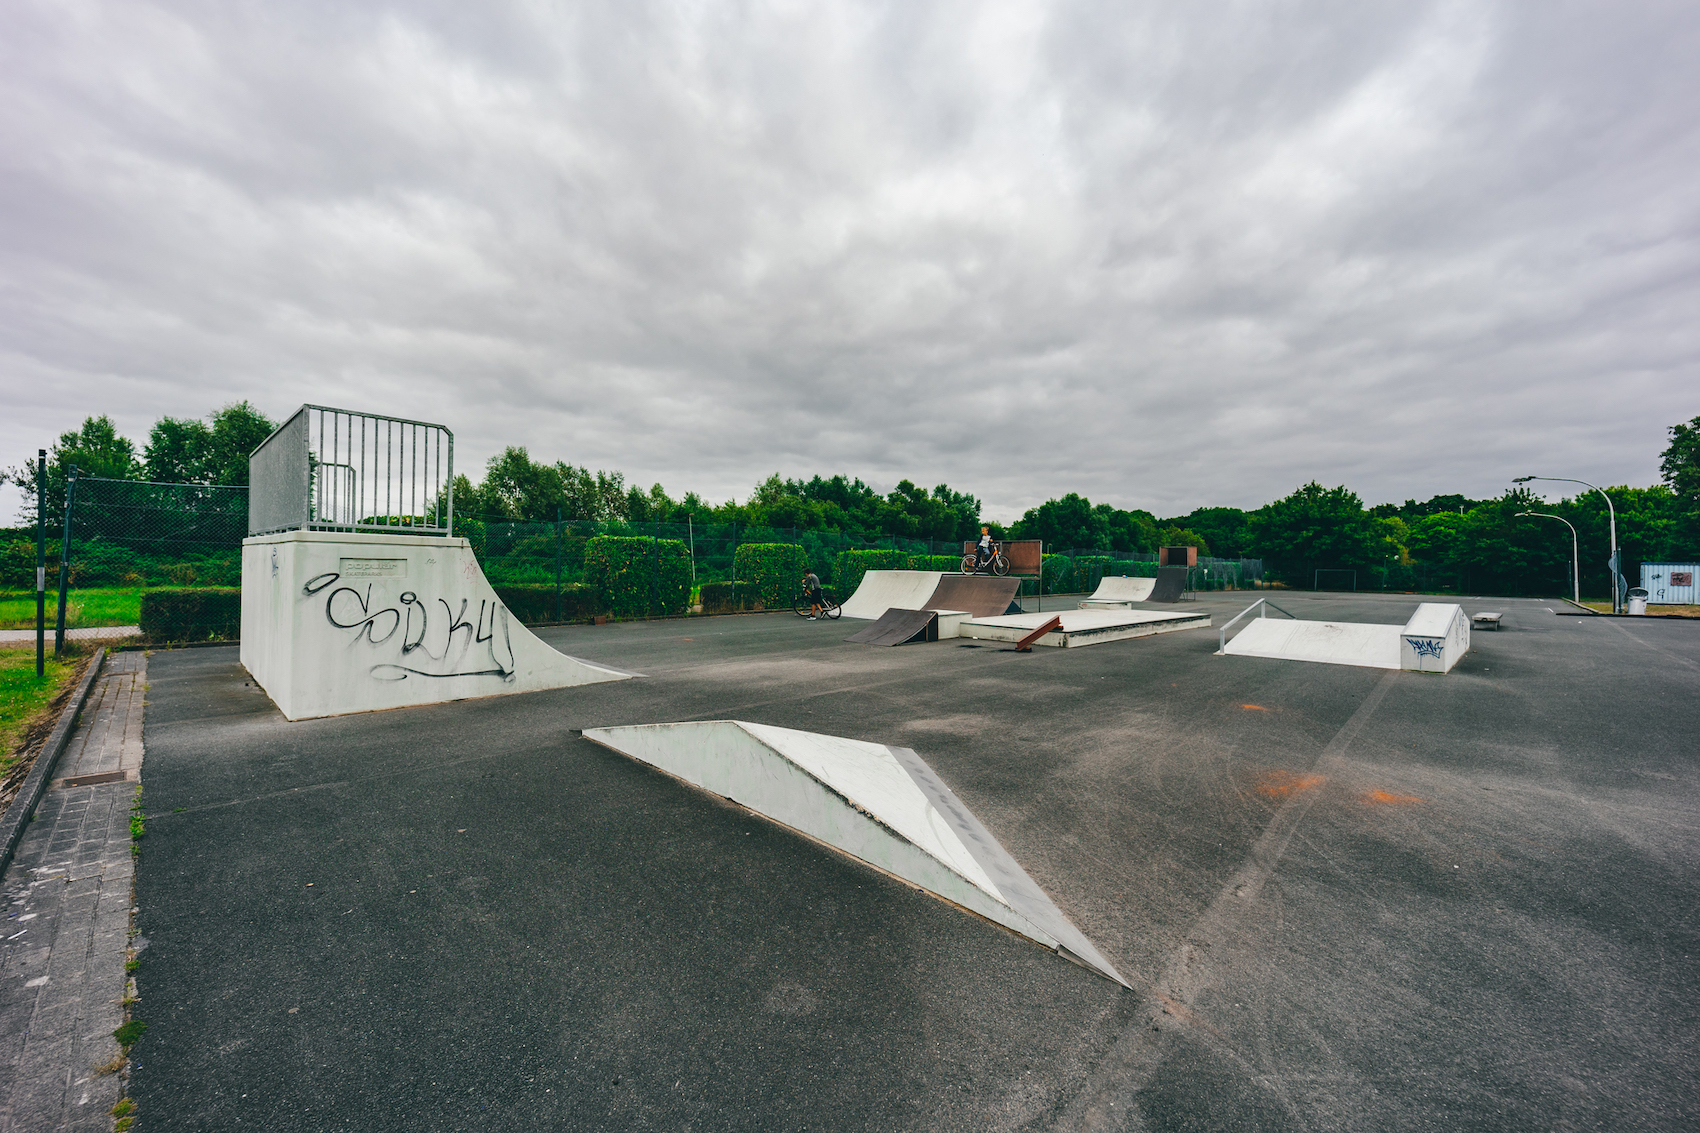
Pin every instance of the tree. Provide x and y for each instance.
(186, 451)
(1067, 523)
(95, 449)
(1313, 528)
(1679, 464)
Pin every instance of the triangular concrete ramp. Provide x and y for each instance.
(882, 805)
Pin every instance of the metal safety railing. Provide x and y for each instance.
(1262, 606)
(329, 469)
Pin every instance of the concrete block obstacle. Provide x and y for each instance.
(1434, 640)
(335, 622)
(881, 805)
(981, 595)
(1083, 627)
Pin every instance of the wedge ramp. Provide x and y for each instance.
(881, 805)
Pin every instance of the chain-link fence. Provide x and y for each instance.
(128, 538)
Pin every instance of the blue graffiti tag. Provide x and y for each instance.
(1427, 646)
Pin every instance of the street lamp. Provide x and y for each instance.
(1575, 565)
(1616, 604)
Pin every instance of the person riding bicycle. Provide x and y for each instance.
(817, 597)
(983, 549)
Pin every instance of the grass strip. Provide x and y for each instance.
(94, 606)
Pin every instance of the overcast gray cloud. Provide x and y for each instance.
(1165, 255)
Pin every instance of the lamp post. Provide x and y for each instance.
(1611, 511)
(1575, 564)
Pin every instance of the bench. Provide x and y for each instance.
(1485, 621)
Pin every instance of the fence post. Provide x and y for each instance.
(65, 561)
(655, 569)
(40, 562)
(557, 562)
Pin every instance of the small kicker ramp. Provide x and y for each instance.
(1433, 641)
(899, 627)
(1083, 627)
(883, 590)
(1119, 592)
(980, 595)
(881, 805)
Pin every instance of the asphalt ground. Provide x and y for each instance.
(1345, 898)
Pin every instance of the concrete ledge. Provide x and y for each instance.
(17, 815)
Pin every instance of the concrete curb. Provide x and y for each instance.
(17, 816)
(1589, 611)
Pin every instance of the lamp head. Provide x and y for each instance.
(1523, 479)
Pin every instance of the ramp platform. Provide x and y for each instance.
(1083, 627)
(899, 627)
(881, 805)
(1118, 592)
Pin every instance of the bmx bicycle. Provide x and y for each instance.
(805, 605)
(997, 564)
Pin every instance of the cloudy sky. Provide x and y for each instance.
(1165, 255)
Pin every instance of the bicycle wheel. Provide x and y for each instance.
(999, 565)
(970, 564)
(831, 609)
(803, 607)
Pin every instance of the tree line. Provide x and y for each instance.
(1446, 542)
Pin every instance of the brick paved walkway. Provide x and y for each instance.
(68, 917)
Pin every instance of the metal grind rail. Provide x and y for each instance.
(329, 469)
(1262, 606)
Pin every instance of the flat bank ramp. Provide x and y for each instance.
(899, 627)
(980, 595)
(1119, 592)
(1333, 643)
(883, 590)
(1169, 584)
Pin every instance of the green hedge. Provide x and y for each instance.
(192, 615)
(769, 573)
(1089, 571)
(718, 598)
(948, 563)
(850, 566)
(536, 604)
(638, 576)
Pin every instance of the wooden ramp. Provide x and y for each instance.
(899, 627)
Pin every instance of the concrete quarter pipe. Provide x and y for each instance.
(336, 622)
(980, 595)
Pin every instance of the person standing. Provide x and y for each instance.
(817, 598)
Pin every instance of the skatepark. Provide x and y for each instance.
(1247, 861)
(1341, 897)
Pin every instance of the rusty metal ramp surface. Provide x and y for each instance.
(899, 627)
(1171, 581)
(981, 595)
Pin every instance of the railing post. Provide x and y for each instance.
(557, 562)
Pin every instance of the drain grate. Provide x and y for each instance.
(93, 780)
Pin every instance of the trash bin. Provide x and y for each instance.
(1637, 600)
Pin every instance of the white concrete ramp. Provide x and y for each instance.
(1114, 592)
(881, 805)
(336, 622)
(1434, 640)
(883, 590)
(1335, 643)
